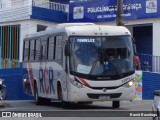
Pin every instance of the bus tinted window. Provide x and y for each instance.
(37, 50)
(43, 49)
(32, 49)
(26, 51)
(51, 49)
(58, 47)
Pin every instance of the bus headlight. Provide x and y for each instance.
(76, 83)
(24, 80)
(1, 81)
(129, 84)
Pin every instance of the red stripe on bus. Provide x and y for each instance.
(84, 82)
(31, 75)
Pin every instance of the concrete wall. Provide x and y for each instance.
(13, 11)
(13, 81)
(150, 83)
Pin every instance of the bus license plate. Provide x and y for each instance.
(104, 97)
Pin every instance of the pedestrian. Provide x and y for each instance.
(137, 62)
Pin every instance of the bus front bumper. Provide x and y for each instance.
(88, 94)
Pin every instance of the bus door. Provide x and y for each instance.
(59, 56)
(43, 70)
(66, 61)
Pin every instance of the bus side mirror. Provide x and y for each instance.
(135, 49)
(67, 53)
(134, 46)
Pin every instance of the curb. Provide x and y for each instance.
(1, 104)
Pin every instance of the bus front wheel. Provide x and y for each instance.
(60, 97)
(38, 100)
(116, 104)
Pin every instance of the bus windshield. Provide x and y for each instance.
(110, 55)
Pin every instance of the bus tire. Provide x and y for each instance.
(64, 104)
(157, 117)
(38, 100)
(116, 104)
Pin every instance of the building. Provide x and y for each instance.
(19, 18)
(142, 18)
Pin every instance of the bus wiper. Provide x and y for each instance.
(94, 64)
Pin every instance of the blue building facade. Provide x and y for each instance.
(106, 10)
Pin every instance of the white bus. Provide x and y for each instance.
(79, 63)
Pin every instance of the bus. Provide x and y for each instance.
(79, 63)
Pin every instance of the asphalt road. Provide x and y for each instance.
(97, 110)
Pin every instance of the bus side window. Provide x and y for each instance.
(26, 50)
(23, 50)
(51, 50)
(32, 50)
(58, 55)
(43, 48)
(37, 50)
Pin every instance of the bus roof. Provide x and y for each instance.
(87, 29)
(97, 30)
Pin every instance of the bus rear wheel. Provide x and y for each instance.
(116, 104)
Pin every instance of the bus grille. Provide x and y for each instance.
(96, 96)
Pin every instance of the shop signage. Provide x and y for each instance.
(106, 10)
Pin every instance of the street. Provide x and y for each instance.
(90, 110)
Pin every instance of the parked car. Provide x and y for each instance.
(156, 104)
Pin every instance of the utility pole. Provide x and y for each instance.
(119, 18)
